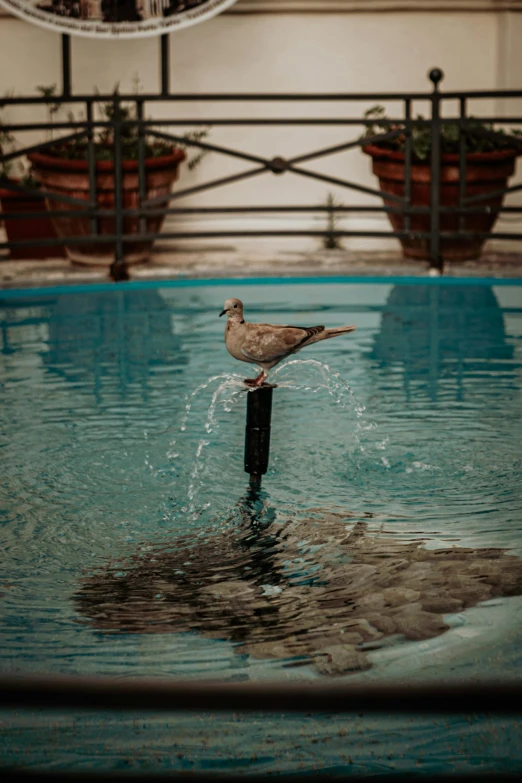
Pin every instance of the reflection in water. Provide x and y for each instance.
(319, 590)
(112, 338)
(437, 332)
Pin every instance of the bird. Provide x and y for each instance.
(268, 344)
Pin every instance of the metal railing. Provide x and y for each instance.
(154, 129)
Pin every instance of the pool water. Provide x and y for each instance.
(132, 547)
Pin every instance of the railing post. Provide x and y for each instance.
(462, 161)
(118, 265)
(436, 262)
(165, 64)
(141, 166)
(407, 163)
(66, 65)
(91, 152)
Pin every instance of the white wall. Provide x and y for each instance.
(285, 52)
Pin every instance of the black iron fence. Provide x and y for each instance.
(120, 225)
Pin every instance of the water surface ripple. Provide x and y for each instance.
(132, 547)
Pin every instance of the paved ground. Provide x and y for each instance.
(234, 262)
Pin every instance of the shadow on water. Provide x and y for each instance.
(438, 332)
(320, 589)
(112, 339)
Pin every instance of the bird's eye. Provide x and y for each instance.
(235, 305)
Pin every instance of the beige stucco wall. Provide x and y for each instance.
(285, 52)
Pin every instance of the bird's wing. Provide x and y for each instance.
(270, 342)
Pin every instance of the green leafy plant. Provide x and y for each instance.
(6, 141)
(18, 168)
(53, 107)
(103, 143)
(330, 239)
(196, 135)
(480, 136)
(14, 169)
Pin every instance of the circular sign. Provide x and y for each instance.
(116, 18)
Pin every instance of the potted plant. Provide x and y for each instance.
(490, 161)
(13, 201)
(63, 169)
(331, 239)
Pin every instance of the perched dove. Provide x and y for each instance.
(267, 344)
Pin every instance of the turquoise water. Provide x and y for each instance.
(122, 425)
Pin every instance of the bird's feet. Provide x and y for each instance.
(255, 382)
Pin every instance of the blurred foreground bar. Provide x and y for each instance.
(106, 693)
(18, 776)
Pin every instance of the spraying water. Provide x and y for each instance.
(228, 389)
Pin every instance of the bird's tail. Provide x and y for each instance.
(335, 332)
(325, 334)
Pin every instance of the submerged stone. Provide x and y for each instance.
(397, 596)
(340, 659)
(418, 625)
(351, 588)
(442, 605)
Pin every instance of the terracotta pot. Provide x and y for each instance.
(28, 228)
(71, 178)
(485, 172)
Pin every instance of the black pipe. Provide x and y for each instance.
(257, 434)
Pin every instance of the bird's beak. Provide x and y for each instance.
(223, 312)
